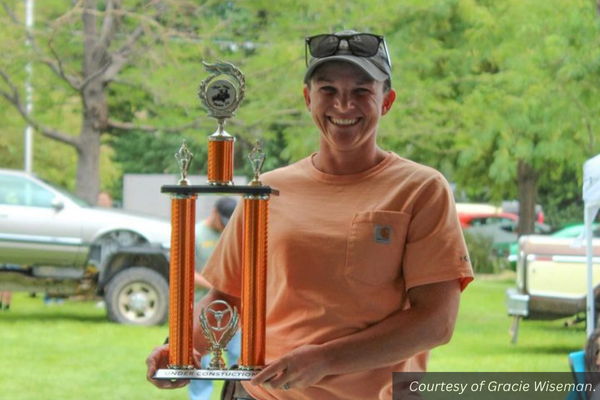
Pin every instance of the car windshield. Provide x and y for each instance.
(77, 200)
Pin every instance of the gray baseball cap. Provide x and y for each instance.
(376, 66)
(225, 207)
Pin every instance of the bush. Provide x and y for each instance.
(483, 254)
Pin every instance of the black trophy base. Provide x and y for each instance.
(206, 374)
(219, 189)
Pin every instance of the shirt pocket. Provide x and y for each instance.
(376, 246)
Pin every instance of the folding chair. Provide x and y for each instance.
(577, 364)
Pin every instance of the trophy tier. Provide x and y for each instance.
(219, 189)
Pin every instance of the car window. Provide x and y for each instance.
(480, 221)
(500, 220)
(20, 191)
(477, 221)
(70, 196)
(509, 227)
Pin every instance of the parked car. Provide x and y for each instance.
(476, 208)
(571, 231)
(55, 243)
(551, 279)
(501, 228)
(479, 219)
(511, 207)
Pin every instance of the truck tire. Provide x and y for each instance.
(137, 296)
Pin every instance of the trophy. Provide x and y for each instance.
(218, 321)
(221, 98)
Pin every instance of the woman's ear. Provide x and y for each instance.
(307, 97)
(388, 100)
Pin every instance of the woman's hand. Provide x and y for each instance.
(158, 359)
(300, 368)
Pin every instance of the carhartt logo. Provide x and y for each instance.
(383, 234)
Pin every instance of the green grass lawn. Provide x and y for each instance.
(481, 341)
(70, 352)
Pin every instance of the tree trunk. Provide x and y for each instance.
(87, 184)
(527, 183)
(95, 109)
(95, 114)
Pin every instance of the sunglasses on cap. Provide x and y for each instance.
(359, 44)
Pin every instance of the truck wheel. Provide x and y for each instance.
(137, 296)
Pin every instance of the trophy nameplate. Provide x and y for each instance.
(206, 374)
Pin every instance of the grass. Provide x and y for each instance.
(481, 341)
(71, 352)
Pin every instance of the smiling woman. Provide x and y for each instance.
(351, 226)
(346, 105)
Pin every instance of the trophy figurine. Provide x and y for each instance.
(218, 320)
(220, 311)
(221, 98)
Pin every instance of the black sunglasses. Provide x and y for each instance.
(360, 45)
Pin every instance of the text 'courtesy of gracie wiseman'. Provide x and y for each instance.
(494, 385)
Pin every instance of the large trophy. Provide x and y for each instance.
(218, 320)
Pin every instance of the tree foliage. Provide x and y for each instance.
(500, 96)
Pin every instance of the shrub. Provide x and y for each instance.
(483, 255)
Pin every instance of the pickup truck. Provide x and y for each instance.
(54, 243)
(551, 280)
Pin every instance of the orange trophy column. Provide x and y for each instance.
(181, 285)
(254, 281)
(254, 271)
(220, 157)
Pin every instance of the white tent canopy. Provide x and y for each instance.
(591, 198)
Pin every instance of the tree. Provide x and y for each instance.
(111, 39)
(530, 112)
(499, 96)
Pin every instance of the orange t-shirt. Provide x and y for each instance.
(343, 252)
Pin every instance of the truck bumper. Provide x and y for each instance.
(517, 304)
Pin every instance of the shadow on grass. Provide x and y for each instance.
(549, 349)
(66, 317)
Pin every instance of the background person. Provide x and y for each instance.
(366, 255)
(104, 200)
(5, 299)
(592, 365)
(208, 233)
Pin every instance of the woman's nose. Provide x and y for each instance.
(344, 101)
